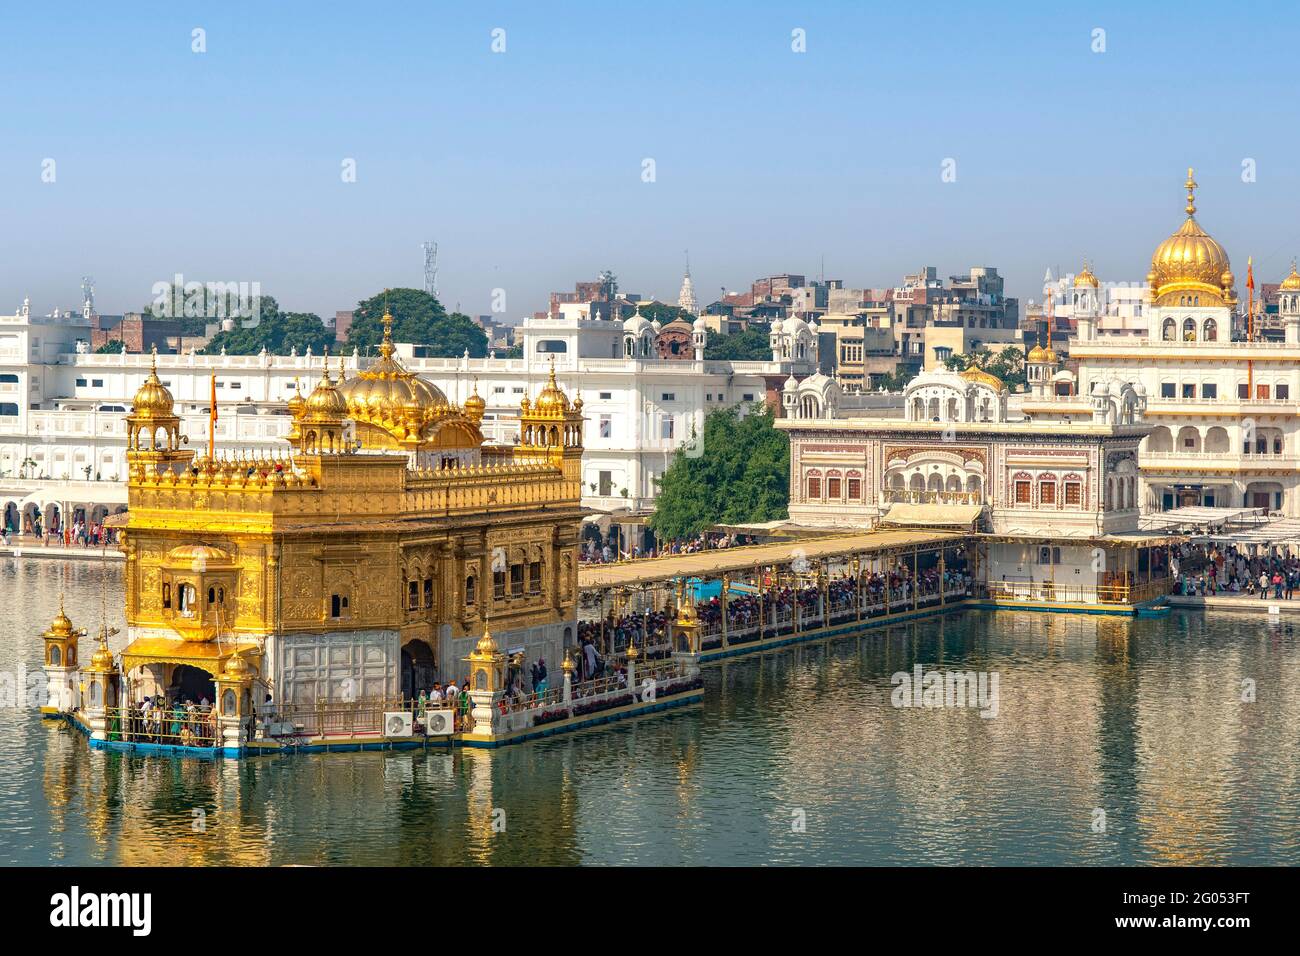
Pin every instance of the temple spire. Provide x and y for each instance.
(1190, 186)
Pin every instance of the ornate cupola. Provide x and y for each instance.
(1288, 305)
(321, 425)
(550, 427)
(153, 435)
(475, 406)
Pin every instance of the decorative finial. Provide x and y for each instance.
(153, 356)
(1190, 186)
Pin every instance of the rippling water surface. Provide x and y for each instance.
(797, 757)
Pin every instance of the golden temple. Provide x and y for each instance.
(366, 560)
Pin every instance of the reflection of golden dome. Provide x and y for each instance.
(1191, 262)
(389, 397)
(1292, 282)
(551, 399)
(153, 400)
(982, 377)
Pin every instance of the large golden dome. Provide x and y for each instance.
(153, 400)
(389, 397)
(1190, 267)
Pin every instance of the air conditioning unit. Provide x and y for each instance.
(439, 723)
(398, 724)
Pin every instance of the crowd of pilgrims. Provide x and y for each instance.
(650, 630)
(156, 720)
(1207, 569)
(596, 551)
(85, 534)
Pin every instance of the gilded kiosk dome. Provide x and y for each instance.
(1292, 282)
(153, 400)
(1190, 268)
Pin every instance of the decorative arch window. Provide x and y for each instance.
(813, 484)
(167, 595)
(1169, 330)
(834, 485)
(1022, 488)
(855, 486)
(1210, 331)
(1047, 490)
(1189, 329)
(56, 658)
(471, 591)
(1073, 486)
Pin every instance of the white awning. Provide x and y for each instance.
(932, 516)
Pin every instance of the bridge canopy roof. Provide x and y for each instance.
(720, 561)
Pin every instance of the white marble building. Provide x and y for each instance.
(63, 443)
(1226, 423)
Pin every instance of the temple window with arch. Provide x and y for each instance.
(1022, 487)
(1189, 329)
(1169, 330)
(833, 485)
(471, 590)
(1047, 490)
(1073, 488)
(1210, 331)
(813, 485)
(855, 486)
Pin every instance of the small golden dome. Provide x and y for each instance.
(475, 406)
(487, 645)
(297, 402)
(326, 403)
(1040, 354)
(153, 400)
(61, 626)
(1292, 282)
(1191, 261)
(102, 659)
(1086, 278)
(551, 399)
(982, 377)
(236, 668)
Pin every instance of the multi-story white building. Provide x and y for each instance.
(1226, 421)
(62, 442)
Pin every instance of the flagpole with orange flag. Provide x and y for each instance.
(212, 421)
(1250, 323)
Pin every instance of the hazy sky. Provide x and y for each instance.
(527, 165)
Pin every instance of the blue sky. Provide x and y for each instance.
(526, 165)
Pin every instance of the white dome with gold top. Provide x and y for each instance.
(1190, 268)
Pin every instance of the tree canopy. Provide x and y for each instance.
(1008, 364)
(740, 474)
(752, 345)
(278, 332)
(419, 318)
(663, 313)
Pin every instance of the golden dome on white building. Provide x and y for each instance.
(1190, 268)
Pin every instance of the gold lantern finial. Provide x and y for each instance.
(1190, 186)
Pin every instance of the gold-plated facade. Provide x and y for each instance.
(351, 532)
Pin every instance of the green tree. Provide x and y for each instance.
(752, 345)
(663, 314)
(1008, 364)
(112, 346)
(277, 332)
(740, 475)
(419, 318)
(897, 380)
